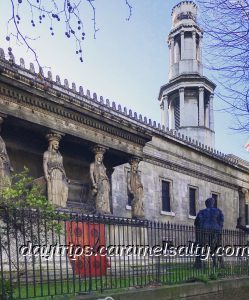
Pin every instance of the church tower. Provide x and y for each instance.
(186, 101)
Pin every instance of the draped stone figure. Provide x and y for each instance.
(5, 166)
(135, 188)
(100, 182)
(55, 175)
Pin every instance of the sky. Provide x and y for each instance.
(126, 63)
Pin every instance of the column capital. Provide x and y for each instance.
(193, 33)
(201, 89)
(182, 32)
(99, 149)
(54, 135)
(181, 90)
(211, 95)
(162, 104)
(135, 160)
(243, 190)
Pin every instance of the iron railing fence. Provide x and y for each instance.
(70, 253)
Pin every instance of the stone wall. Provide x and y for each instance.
(229, 289)
(183, 167)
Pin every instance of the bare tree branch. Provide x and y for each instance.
(69, 13)
(226, 25)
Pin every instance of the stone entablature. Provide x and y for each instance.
(64, 98)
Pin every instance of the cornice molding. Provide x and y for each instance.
(66, 113)
(184, 170)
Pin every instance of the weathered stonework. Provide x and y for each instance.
(34, 104)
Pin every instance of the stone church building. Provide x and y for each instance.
(178, 164)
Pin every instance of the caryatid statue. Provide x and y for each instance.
(5, 166)
(135, 188)
(55, 175)
(100, 181)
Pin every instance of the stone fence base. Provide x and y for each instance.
(229, 289)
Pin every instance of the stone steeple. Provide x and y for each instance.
(186, 102)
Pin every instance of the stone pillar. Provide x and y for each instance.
(109, 172)
(200, 47)
(242, 201)
(207, 117)
(194, 44)
(162, 112)
(211, 111)
(181, 96)
(177, 51)
(182, 45)
(201, 106)
(172, 50)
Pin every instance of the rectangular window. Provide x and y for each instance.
(192, 201)
(166, 196)
(215, 197)
(130, 197)
(246, 214)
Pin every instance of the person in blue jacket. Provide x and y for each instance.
(208, 227)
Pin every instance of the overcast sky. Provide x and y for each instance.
(126, 63)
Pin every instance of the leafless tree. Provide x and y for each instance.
(69, 13)
(226, 26)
